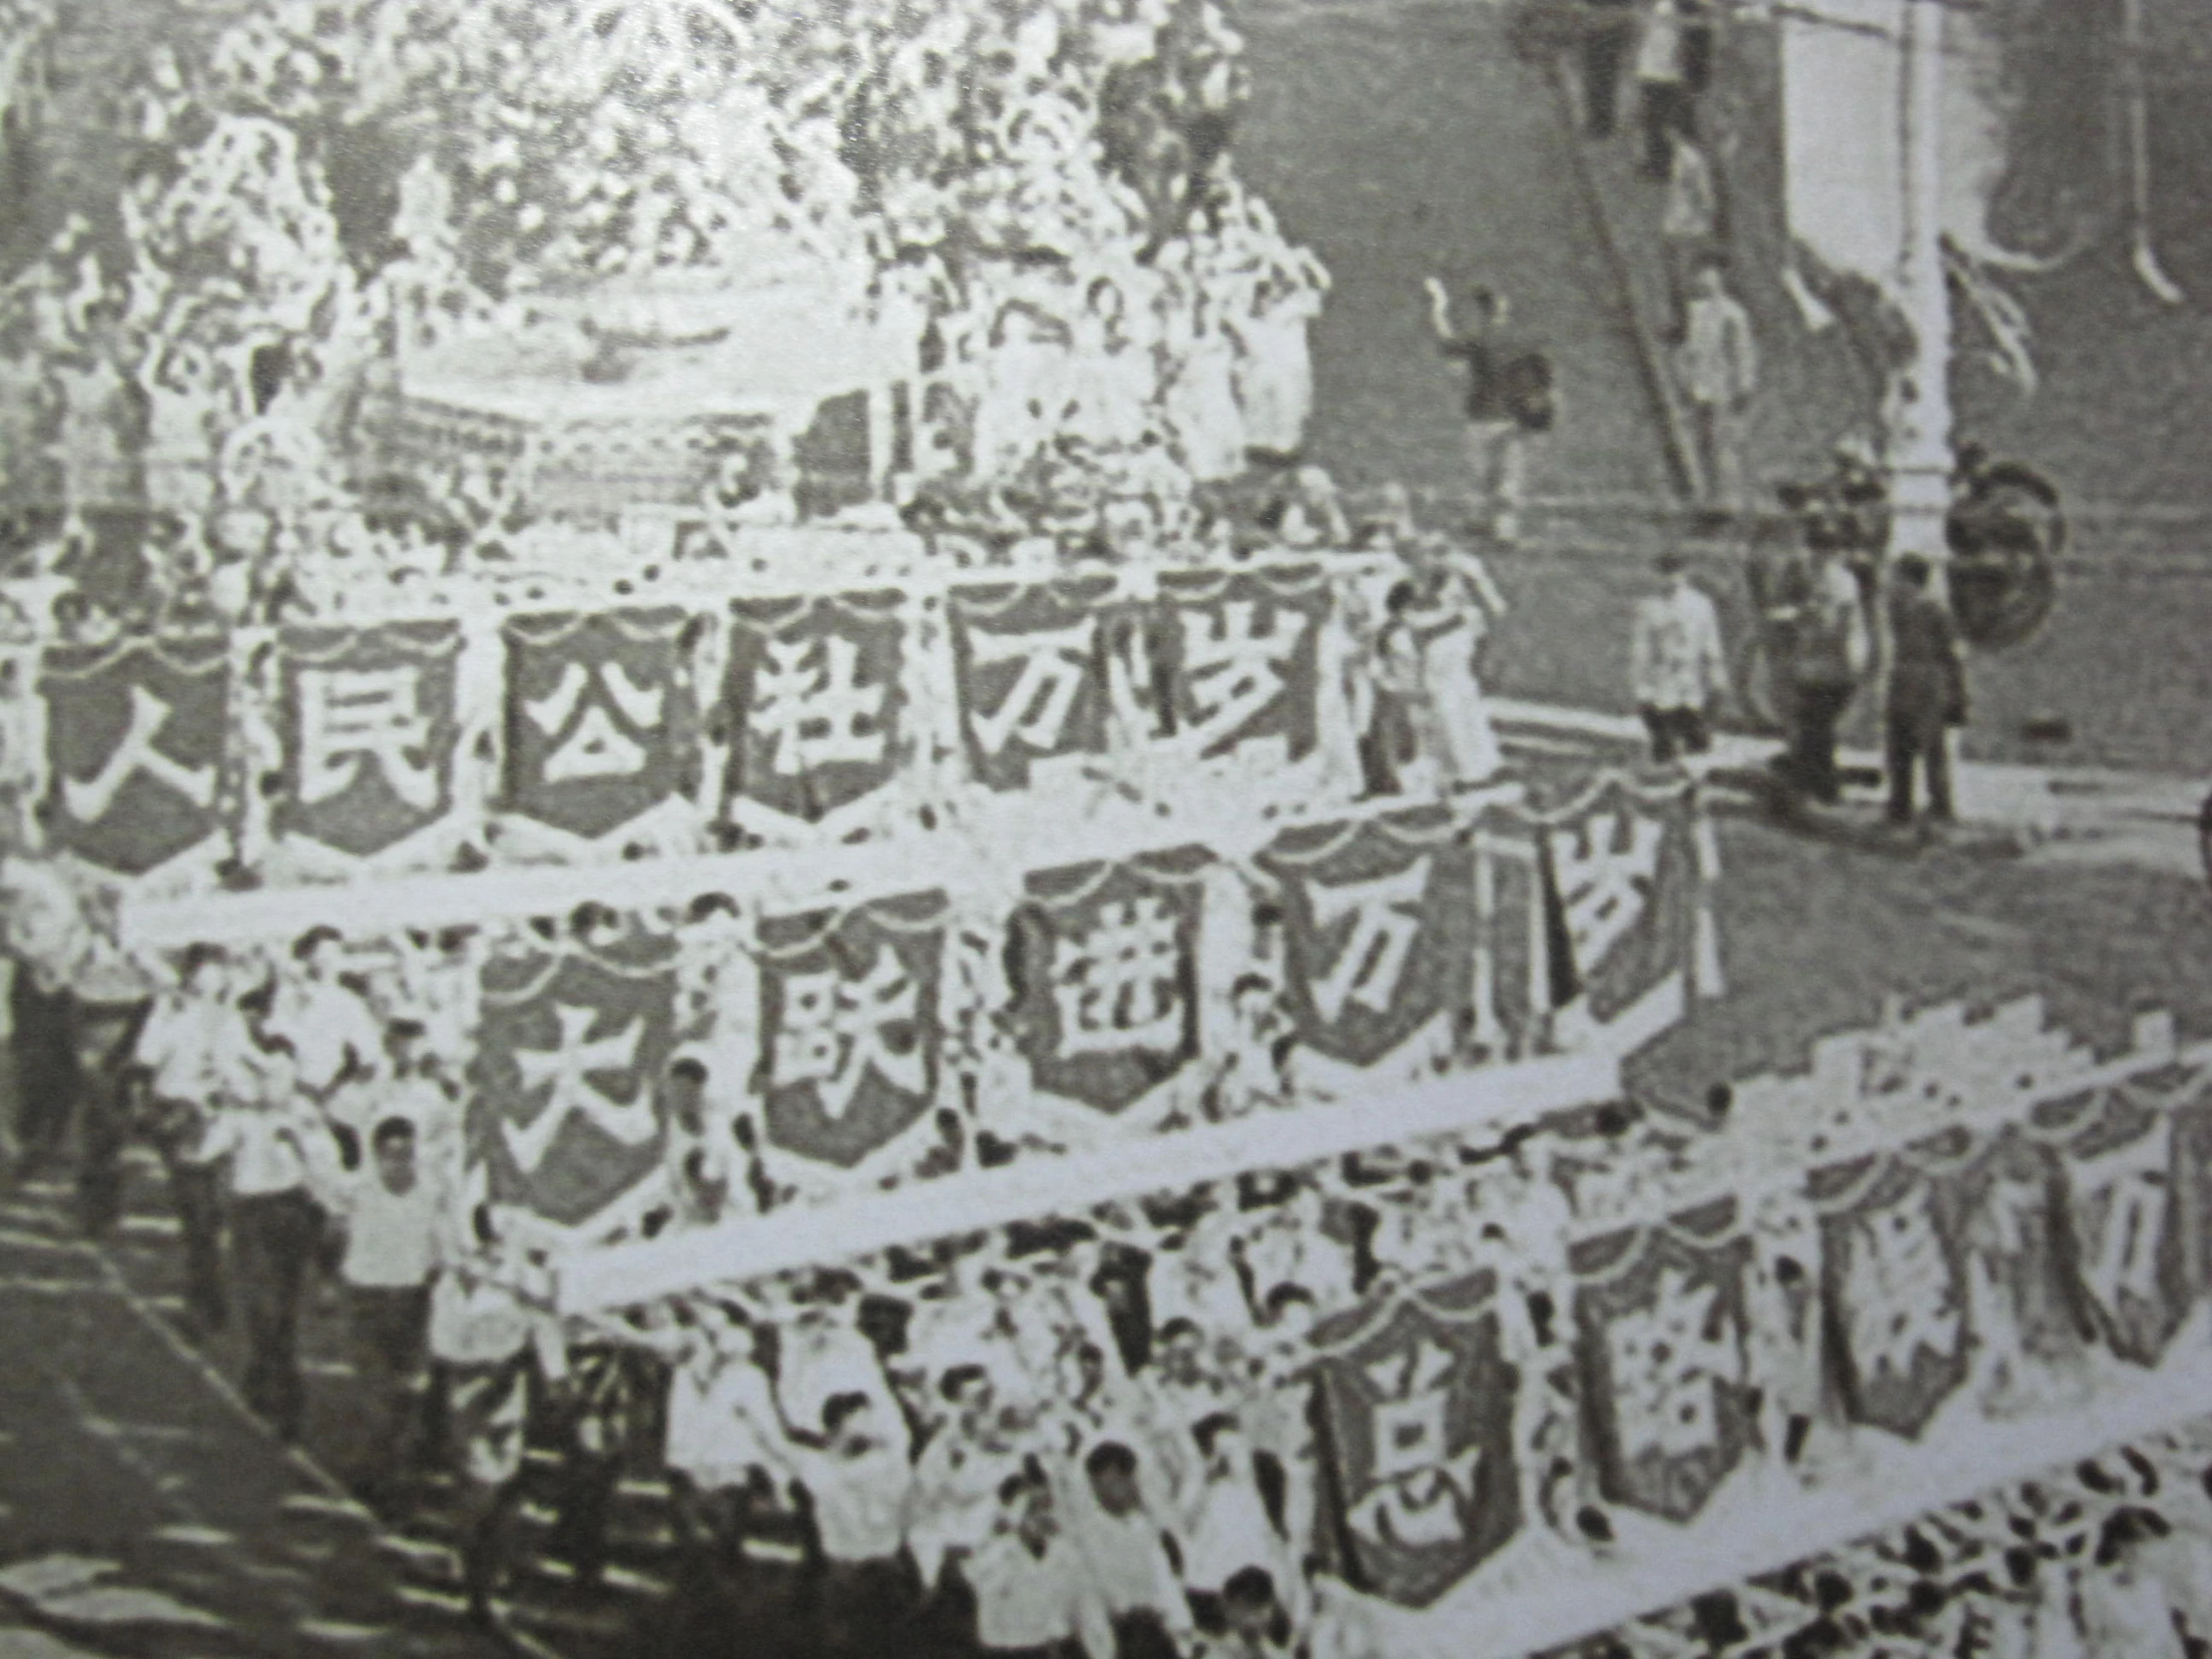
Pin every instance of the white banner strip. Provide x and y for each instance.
(1492, 1098)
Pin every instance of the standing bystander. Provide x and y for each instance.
(1510, 400)
(1926, 693)
(1676, 666)
(1719, 364)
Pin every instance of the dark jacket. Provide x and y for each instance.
(1928, 681)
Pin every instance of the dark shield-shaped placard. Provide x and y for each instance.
(135, 738)
(849, 1010)
(1660, 1323)
(2123, 1237)
(813, 709)
(602, 718)
(1381, 921)
(1031, 668)
(571, 1049)
(1239, 656)
(1894, 1291)
(369, 730)
(1105, 975)
(1418, 1404)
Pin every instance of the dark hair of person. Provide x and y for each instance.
(690, 1068)
(838, 1408)
(1110, 1457)
(306, 944)
(391, 1132)
(955, 1381)
(1248, 1587)
(1211, 1428)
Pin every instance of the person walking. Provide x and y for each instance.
(1677, 668)
(49, 1076)
(1662, 87)
(276, 1227)
(1608, 31)
(1829, 649)
(1926, 694)
(1719, 364)
(1510, 401)
(1689, 222)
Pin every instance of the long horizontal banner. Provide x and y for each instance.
(305, 752)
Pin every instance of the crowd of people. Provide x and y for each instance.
(2110, 1555)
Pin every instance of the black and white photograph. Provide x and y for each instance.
(1106, 828)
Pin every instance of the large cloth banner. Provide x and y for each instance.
(1036, 667)
(813, 710)
(602, 719)
(1239, 656)
(1621, 892)
(1894, 1289)
(134, 746)
(1417, 1399)
(571, 1049)
(1105, 975)
(369, 726)
(849, 1025)
(1661, 1322)
(1381, 924)
(2123, 1226)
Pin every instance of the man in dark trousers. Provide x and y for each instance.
(1927, 692)
(1608, 31)
(1510, 403)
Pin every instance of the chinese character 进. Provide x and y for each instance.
(1119, 986)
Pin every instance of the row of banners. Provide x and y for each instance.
(1052, 1007)
(1995, 1270)
(384, 746)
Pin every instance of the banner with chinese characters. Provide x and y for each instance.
(2123, 1224)
(1661, 1326)
(1893, 1288)
(572, 1047)
(1417, 1400)
(1381, 921)
(136, 742)
(369, 721)
(1239, 657)
(850, 1027)
(813, 709)
(1623, 892)
(602, 729)
(1041, 668)
(1105, 976)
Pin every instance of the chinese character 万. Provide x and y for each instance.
(1054, 664)
(1119, 986)
(1386, 916)
(348, 715)
(1897, 1293)
(835, 1030)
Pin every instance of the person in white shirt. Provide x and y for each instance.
(394, 1216)
(955, 1497)
(191, 1048)
(1034, 1595)
(1128, 1557)
(330, 1027)
(1227, 1528)
(1677, 668)
(1719, 368)
(855, 1478)
(274, 1229)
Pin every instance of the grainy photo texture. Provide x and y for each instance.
(1105, 828)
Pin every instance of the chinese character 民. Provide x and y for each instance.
(348, 715)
